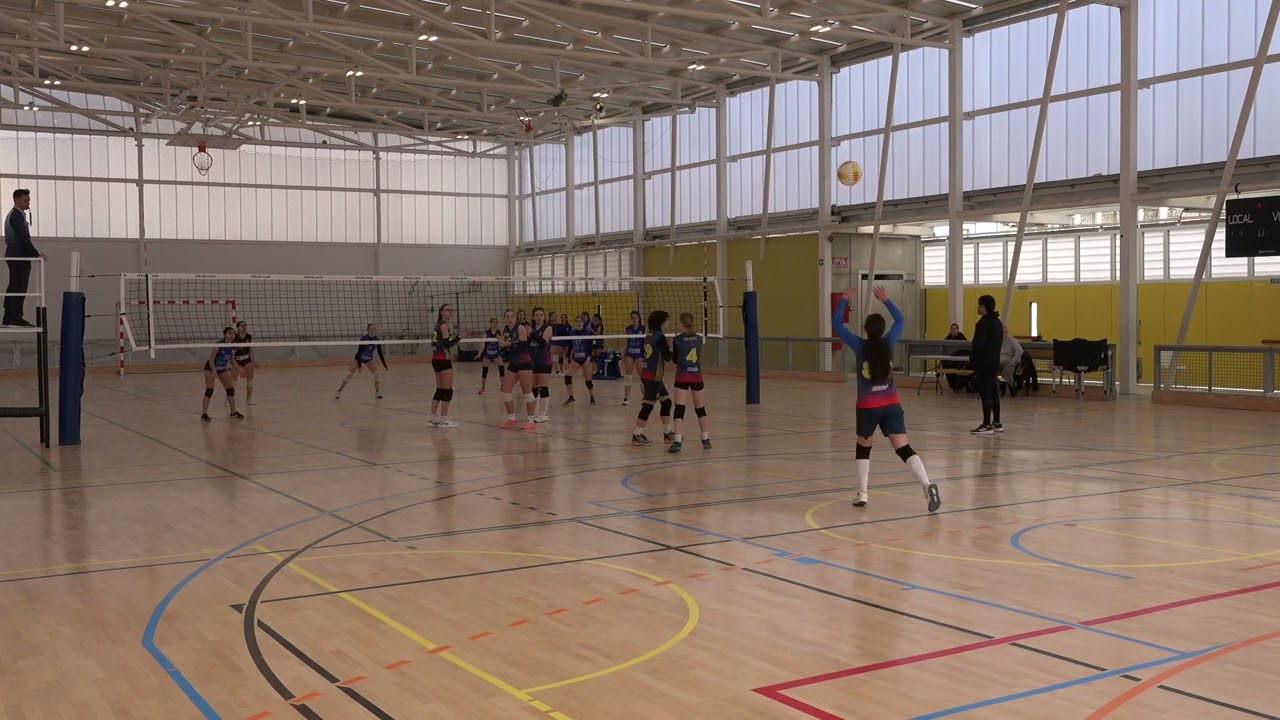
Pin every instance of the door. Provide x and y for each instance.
(901, 289)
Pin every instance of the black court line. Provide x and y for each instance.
(932, 621)
(33, 453)
(320, 670)
(93, 486)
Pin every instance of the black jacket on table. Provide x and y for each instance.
(988, 335)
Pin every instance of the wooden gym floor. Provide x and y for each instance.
(340, 560)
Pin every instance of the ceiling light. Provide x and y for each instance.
(429, 37)
(350, 73)
(359, 73)
(124, 4)
(462, 136)
(294, 101)
(84, 48)
(111, 3)
(302, 102)
(962, 3)
(697, 66)
(75, 48)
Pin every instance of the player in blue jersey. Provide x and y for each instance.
(657, 353)
(540, 336)
(364, 356)
(491, 355)
(580, 361)
(443, 338)
(878, 406)
(687, 352)
(562, 347)
(515, 339)
(633, 355)
(221, 366)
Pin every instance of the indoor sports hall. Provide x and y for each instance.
(640, 359)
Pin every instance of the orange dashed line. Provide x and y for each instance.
(695, 576)
(517, 623)
(766, 560)
(983, 527)
(953, 532)
(628, 591)
(303, 700)
(259, 716)
(731, 567)
(557, 611)
(480, 636)
(352, 681)
(437, 650)
(892, 539)
(1259, 567)
(395, 665)
(928, 534)
(593, 601)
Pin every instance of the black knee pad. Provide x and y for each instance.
(544, 392)
(568, 380)
(231, 392)
(208, 392)
(679, 412)
(862, 452)
(484, 372)
(646, 409)
(502, 371)
(447, 395)
(590, 385)
(666, 407)
(906, 453)
(438, 396)
(700, 412)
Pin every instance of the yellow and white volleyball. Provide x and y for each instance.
(849, 173)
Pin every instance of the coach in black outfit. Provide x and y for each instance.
(17, 244)
(988, 335)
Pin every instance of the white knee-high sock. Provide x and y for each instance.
(864, 473)
(916, 465)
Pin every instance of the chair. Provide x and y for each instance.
(1078, 357)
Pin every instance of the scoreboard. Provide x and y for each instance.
(1253, 227)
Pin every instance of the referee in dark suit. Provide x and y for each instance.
(17, 244)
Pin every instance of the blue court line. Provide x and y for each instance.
(153, 623)
(806, 560)
(1016, 539)
(1064, 685)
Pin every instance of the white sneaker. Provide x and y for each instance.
(446, 423)
(541, 418)
(861, 500)
(433, 422)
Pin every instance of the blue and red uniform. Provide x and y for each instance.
(518, 357)
(878, 403)
(491, 350)
(540, 349)
(688, 357)
(635, 344)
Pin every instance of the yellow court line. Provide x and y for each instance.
(1172, 543)
(691, 620)
(415, 637)
(73, 566)
(1268, 518)
(809, 519)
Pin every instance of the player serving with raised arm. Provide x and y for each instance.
(878, 406)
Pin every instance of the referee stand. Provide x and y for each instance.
(41, 332)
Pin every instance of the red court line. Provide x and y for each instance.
(557, 611)
(259, 716)
(593, 601)
(302, 700)
(435, 651)
(774, 692)
(628, 591)
(1123, 699)
(398, 664)
(352, 681)
(480, 636)
(517, 623)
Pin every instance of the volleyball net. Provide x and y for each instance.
(189, 311)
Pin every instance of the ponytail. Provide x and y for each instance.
(879, 356)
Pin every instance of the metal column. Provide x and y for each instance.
(768, 162)
(637, 182)
(824, 209)
(515, 217)
(955, 172)
(570, 191)
(722, 216)
(886, 142)
(1246, 110)
(1034, 163)
(1129, 239)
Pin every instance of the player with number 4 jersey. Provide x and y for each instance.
(688, 358)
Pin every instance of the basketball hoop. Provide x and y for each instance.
(202, 160)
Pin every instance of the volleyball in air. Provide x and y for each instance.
(849, 173)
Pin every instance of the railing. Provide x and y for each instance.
(40, 332)
(1216, 369)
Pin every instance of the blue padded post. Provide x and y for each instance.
(751, 331)
(71, 368)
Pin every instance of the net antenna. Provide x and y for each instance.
(202, 160)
